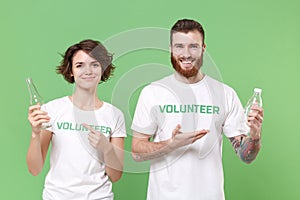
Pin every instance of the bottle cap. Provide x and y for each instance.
(258, 90)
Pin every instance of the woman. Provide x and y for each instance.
(86, 133)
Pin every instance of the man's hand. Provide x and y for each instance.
(180, 139)
(254, 121)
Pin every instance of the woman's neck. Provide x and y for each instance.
(86, 100)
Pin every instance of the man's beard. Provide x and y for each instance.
(186, 73)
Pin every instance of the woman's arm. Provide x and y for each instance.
(39, 142)
(113, 152)
(114, 159)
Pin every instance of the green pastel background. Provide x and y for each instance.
(254, 44)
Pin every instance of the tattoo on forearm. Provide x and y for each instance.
(245, 147)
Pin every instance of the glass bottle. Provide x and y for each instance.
(35, 98)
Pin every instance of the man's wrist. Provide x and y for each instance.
(255, 140)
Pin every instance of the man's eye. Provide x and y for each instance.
(194, 46)
(96, 65)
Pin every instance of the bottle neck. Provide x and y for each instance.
(35, 97)
(257, 93)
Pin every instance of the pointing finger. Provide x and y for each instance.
(89, 128)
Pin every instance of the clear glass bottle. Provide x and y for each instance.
(35, 98)
(256, 99)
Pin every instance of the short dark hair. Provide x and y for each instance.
(96, 50)
(185, 26)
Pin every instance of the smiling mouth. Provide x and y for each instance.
(89, 78)
(186, 63)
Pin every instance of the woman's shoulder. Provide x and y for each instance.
(62, 101)
(111, 108)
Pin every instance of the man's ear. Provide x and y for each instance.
(204, 47)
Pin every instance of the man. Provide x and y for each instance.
(186, 114)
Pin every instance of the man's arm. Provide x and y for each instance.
(247, 147)
(143, 149)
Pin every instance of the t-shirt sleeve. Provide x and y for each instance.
(235, 123)
(120, 128)
(144, 119)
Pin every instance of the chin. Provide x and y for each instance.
(187, 68)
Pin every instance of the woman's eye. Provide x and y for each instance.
(78, 66)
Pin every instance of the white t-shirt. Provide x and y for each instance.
(76, 168)
(194, 171)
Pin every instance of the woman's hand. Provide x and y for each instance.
(98, 140)
(37, 117)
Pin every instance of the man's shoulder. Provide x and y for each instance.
(159, 84)
(163, 80)
(218, 84)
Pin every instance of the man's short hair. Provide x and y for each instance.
(185, 26)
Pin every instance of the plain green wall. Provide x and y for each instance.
(253, 43)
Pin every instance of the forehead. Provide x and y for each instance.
(82, 56)
(187, 38)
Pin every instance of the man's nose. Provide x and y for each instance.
(186, 52)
